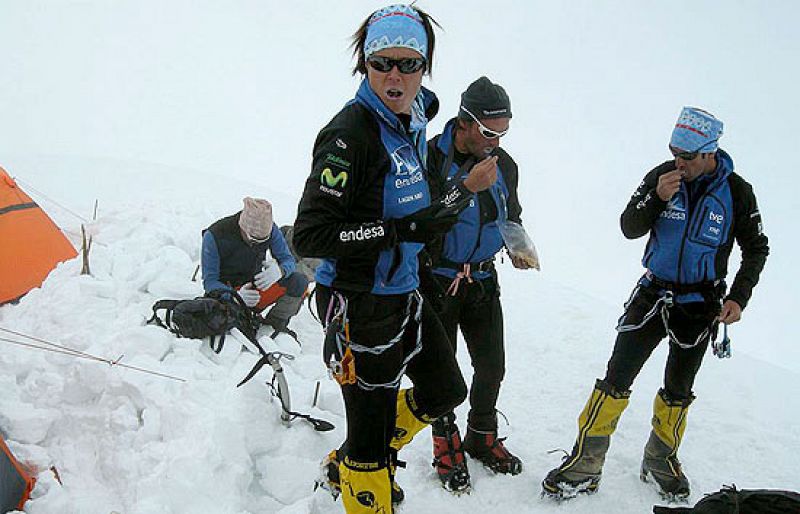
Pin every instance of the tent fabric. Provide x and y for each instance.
(16, 483)
(32, 245)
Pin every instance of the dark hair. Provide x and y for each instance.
(360, 37)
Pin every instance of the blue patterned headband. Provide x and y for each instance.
(395, 26)
(696, 130)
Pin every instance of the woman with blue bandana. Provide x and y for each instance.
(693, 207)
(366, 211)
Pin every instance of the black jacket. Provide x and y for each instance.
(368, 167)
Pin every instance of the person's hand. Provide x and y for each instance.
(520, 262)
(668, 184)
(731, 312)
(482, 175)
(249, 295)
(269, 275)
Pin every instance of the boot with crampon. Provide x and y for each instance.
(448, 455)
(580, 471)
(486, 447)
(660, 463)
(329, 476)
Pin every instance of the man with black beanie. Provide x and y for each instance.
(460, 280)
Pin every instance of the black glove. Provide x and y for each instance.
(438, 218)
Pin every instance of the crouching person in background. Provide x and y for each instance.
(234, 256)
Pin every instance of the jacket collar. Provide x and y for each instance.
(424, 108)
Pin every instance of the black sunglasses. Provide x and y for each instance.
(406, 65)
(688, 156)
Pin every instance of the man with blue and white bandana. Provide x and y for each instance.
(366, 211)
(693, 207)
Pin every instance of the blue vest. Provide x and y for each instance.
(468, 241)
(405, 190)
(687, 235)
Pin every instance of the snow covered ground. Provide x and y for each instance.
(169, 113)
(135, 443)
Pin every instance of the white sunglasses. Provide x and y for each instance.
(483, 129)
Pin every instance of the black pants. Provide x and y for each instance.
(438, 384)
(632, 349)
(475, 309)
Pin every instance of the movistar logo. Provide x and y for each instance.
(332, 181)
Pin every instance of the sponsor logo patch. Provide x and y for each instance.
(407, 181)
(410, 198)
(404, 160)
(675, 204)
(366, 498)
(328, 178)
(337, 161)
(361, 234)
(337, 194)
(675, 209)
(643, 202)
(674, 215)
(451, 197)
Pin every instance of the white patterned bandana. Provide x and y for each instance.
(696, 131)
(396, 26)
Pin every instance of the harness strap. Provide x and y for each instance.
(681, 289)
(486, 265)
(660, 307)
(465, 273)
(167, 306)
(337, 312)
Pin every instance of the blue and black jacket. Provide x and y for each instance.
(368, 167)
(228, 261)
(692, 235)
(476, 237)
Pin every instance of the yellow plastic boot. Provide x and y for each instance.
(407, 425)
(660, 463)
(330, 480)
(581, 470)
(366, 487)
(409, 421)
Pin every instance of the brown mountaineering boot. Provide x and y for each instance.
(660, 464)
(581, 470)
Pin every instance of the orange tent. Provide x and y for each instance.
(16, 481)
(31, 245)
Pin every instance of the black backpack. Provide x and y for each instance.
(730, 500)
(213, 315)
(209, 316)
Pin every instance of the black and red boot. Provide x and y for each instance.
(486, 447)
(448, 455)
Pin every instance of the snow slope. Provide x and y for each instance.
(135, 443)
